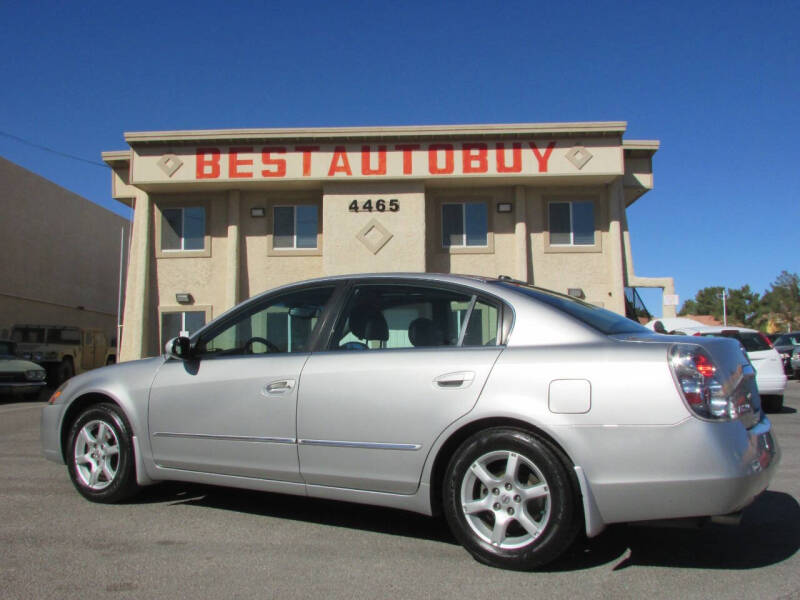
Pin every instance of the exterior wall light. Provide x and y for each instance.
(257, 211)
(504, 207)
(183, 298)
(576, 293)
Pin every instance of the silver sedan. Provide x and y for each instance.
(521, 415)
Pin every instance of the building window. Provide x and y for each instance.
(183, 228)
(465, 224)
(185, 323)
(571, 223)
(295, 226)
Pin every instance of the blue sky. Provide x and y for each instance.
(715, 82)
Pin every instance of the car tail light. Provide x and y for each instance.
(699, 383)
(766, 339)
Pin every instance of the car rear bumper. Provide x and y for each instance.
(707, 469)
(774, 384)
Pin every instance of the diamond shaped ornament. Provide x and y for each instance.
(169, 163)
(374, 236)
(579, 156)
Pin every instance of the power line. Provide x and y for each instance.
(51, 150)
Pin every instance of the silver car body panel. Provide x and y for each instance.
(367, 426)
(368, 419)
(228, 415)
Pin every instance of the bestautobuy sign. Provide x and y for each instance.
(376, 161)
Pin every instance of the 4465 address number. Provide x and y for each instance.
(379, 205)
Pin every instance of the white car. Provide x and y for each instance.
(770, 376)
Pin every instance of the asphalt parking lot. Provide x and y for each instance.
(187, 541)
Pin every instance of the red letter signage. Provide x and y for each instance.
(278, 164)
(433, 159)
(234, 162)
(542, 158)
(474, 158)
(207, 160)
(366, 168)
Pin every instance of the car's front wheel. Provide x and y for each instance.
(510, 500)
(100, 455)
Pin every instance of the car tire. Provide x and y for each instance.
(100, 455)
(65, 371)
(510, 499)
(772, 403)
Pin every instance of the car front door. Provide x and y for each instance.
(403, 362)
(231, 408)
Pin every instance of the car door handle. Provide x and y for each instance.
(460, 379)
(281, 386)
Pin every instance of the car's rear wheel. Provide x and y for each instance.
(100, 455)
(772, 403)
(510, 500)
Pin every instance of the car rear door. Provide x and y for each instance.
(403, 362)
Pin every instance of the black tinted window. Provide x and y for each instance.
(601, 319)
(752, 341)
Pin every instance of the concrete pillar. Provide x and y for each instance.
(232, 260)
(136, 323)
(521, 233)
(616, 206)
(373, 241)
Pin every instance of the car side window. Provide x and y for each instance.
(283, 323)
(384, 316)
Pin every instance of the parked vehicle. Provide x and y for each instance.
(785, 344)
(18, 376)
(795, 362)
(63, 351)
(520, 414)
(768, 364)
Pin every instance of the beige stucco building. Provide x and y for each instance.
(60, 255)
(223, 215)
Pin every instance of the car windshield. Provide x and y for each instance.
(601, 319)
(29, 335)
(64, 336)
(788, 340)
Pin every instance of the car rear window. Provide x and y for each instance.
(601, 319)
(752, 341)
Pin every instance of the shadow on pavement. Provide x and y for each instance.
(769, 532)
(299, 508)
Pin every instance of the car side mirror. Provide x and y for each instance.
(179, 348)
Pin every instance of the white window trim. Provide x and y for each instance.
(183, 229)
(463, 243)
(571, 225)
(294, 245)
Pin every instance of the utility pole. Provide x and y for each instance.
(724, 307)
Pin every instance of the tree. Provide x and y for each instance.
(781, 304)
(742, 305)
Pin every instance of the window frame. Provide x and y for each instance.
(292, 201)
(464, 245)
(569, 198)
(172, 204)
(162, 310)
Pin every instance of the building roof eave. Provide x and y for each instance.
(599, 128)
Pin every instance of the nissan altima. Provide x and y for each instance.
(521, 415)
